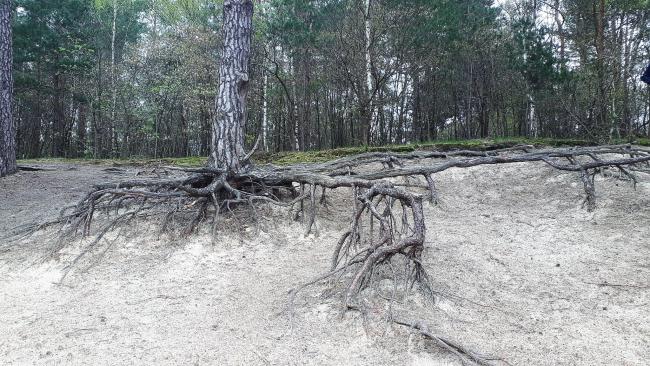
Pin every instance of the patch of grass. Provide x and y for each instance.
(297, 157)
(190, 161)
(540, 142)
(67, 160)
(642, 141)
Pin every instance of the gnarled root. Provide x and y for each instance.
(360, 251)
(192, 196)
(387, 220)
(466, 355)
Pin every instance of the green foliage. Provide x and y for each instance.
(453, 70)
(643, 141)
(532, 54)
(298, 157)
(179, 11)
(56, 34)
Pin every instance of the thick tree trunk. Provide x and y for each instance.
(227, 148)
(7, 128)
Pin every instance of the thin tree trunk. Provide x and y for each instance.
(305, 136)
(626, 122)
(369, 116)
(559, 21)
(7, 127)
(265, 112)
(601, 120)
(227, 148)
(294, 108)
(98, 125)
(112, 135)
(59, 145)
(81, 129)
(205, 127)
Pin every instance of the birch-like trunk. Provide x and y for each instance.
(7, 128)
(373, 129)
(294, 108)
(265, 144)
(227, 147)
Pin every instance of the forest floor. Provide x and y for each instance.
(523, 273)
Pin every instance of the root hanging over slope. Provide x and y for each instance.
(387, 219)
(387, 224)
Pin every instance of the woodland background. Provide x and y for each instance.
(122, 78)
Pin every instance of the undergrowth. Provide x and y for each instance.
(317, 156)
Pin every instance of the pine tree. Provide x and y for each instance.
(7, 128)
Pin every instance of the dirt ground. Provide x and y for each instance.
(522, 271)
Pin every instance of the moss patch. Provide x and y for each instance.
(294, 157)
(297, 157)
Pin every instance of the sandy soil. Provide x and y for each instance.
(525, 274)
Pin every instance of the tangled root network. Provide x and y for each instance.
(387, 218)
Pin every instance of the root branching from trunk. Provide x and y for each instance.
(387, 218)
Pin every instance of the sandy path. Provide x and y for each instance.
(528, 274)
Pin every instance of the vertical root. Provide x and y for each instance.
(433, 195)
(408, 243)
(590, 189)
(312, 211)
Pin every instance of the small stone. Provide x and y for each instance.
(557, 264)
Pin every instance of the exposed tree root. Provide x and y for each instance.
(360, 250)
(387, 220)
(27, 168)
(466, 355)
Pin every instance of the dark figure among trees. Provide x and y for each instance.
(646, 75)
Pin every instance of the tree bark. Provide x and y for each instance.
(368, 110)
(112, 131)
(602, 119)
(81, 130)
(7, 127)
(59, 130)
(265, 112)
(559, 21)
(227, 148)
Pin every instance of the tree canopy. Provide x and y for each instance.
(327, 73)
